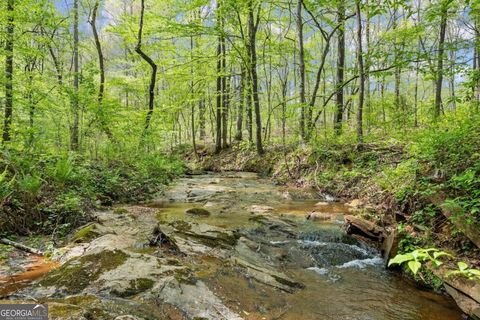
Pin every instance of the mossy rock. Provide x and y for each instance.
(185, 276)
(199, 212)
(86, 234)
(136, 286)
(77, 274)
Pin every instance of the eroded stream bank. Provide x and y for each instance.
(246, 251)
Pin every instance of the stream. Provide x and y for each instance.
(222, 246)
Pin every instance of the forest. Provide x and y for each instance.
(226, 123)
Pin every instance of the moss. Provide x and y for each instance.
(181, 225)
(136, 286)
(77, 274)
(185, 276)
(85, 234)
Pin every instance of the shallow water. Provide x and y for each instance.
(343, 278)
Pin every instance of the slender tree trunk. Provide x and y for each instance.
(239, 134)
(301, 69)
(441, 49)
(477, 61)
(74, 136)
(252, 32)
(201, 115)
(340, 68)
(7, 121)
(153, 66)
(249, 101)
(397, 65)
(225, 95)
(361, 87)
(101, 65)
(219, 96)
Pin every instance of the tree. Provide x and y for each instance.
(444, 6)
(153, 66)
(301, 68)
(340, 67)
(7, 122)
(361, 79)
(74, 135)
(253, 22)
(101, 65)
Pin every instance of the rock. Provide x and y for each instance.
(365, 228)
(86, 234)
(390, 245)
(196, 300)
(470, 230)
(464, 302)
(199, 212)
(126, 317)
(355, 203)
(321, 204)
(321, 216)
(269, 277)
(204, 233)
(261, 209)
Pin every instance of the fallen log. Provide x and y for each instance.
(20, 246)
(365, 228)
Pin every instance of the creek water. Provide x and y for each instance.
(343, 278)
(323, 272)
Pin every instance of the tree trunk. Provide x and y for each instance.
(7, 121)
(252, 33)
(301, 69)
(361, 87)
(239, 134)
(441, 49)
(153, 78)
(74, 136)
(340, 69)
(219, 100)
(101, 65)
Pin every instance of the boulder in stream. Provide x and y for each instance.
(199, 212)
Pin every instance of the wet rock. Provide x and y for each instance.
(261, 209)
(322, 204)
(464, 302)
(196, 301)
(159, 238)
(269, 277)
(206, 234)
(321, 216)
(257, 267)
(77, 274)
(364, 228)
(355, 203)
(199, 212)
(86, 233)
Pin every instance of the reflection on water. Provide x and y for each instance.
(36, 268)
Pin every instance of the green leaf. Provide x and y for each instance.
(400, 258)
(462, 266)
(414, 266)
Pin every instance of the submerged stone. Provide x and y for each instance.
(199, 212)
